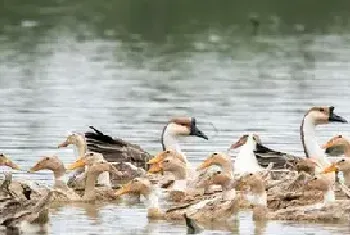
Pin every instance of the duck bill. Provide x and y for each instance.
(236, 145)
(77, 164)
(124, 190)
(336, 118)
(155, 160)
(205, 164)
(12, 165)
(194, 131)
(63, 144)
(155, 168)
(330, 169)
(34, 169)
(327, 145)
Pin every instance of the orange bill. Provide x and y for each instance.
(63, 144)
(124, 190)
(207, 163)
(78, 163)
(332, 168)
(155, 168)
(9, 163)
(158, 158)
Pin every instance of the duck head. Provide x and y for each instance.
(324, 115)
(157, 161)
(185, 126)
(342, 165)
(5, 161)
(135, 186)
(244, 139)
(72, 138)
(336, 146)
(52, 163)
(217, 159)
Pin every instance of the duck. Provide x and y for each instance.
(321, 211)
(342, 165)
(178, 178)
(338, 145)
(17, 212)
(210, 210)
(314, 116)
(79, 143)
(61, 192)
(93, 170)
(118, 150)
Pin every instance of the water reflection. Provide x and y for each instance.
(126, 67)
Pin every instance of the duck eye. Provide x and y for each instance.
(218, 172)
(322, 109)
(168, 151)
(1, 154)
(340, 136)
(91, 154)
(343, 160)
(215, 154)
(251, 174)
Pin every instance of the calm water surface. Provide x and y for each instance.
(126, 67)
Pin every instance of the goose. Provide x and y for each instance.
(16, 213)
(257, 196)
(336, 146)
(61, 192)
(93, 170)
(314, 116)
(118, 150)
(207, 210)
(79, 143)
(5, 161)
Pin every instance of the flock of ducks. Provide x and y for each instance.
(274, 185)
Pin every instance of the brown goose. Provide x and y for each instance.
(125, 154)
(315, 116)
(18, 210)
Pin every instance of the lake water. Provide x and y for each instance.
(126, 67)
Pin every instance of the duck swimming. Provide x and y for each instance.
(117, 150)
(206, 210)
(62, 193)
(93, 170)
(17, 208)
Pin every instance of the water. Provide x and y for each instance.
(126, 67)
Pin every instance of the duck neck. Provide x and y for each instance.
(80, 146)
(347, 149)
(226, 166)
(152, 199)
(257, 199)
(310, 145)
(180, 173)
(90, 180)
(170, 140)
(59, 176)
(246, 161)
(346, 175)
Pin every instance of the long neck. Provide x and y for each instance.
(180, 173)
(226, 166)
(310, 145)
(152, 198)
(60, 179)
(90, 180)
(103, 179)
(170, 140)
(246, 161)
(80, 146)
(347, 149)
(346, 175)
